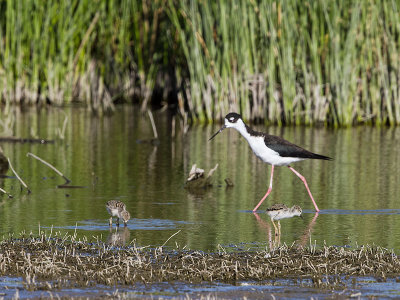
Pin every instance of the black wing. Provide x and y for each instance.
(287, 149)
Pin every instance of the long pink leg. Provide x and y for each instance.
(305, 183)
(269, 190)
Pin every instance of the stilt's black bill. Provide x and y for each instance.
(222, 128)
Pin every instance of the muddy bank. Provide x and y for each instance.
(47, 263)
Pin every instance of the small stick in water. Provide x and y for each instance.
(9, 195)
(153, 124)
(19, 178)
(50, 166)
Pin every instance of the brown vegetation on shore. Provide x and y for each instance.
(48, 262)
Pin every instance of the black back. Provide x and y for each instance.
(285, 148)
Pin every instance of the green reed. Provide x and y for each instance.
(285, 62)
(90, 51)
(333, 62)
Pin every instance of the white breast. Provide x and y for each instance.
(259, 148)
(261, 151)
(268, 155)
(115, 212)
(274, 214)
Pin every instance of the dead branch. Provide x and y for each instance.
(9, 195)
(153, 124)
(50, 166)
(19, 178)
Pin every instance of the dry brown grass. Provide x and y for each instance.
(58, 262)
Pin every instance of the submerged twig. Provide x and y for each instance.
(19, 178)
(4, 191)
(153, 124)
(50, 166)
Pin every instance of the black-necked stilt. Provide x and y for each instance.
(272, 150)
(117, 209)
(278, 212)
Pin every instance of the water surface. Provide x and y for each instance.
(358, 192)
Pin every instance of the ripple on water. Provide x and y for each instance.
(133, 224)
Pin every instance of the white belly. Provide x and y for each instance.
(270, 156)
(114, 212)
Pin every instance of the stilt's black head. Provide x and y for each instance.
(232, 117)
(230, 120)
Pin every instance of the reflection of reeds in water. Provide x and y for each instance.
(118, 236)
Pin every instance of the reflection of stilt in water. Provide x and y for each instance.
(264, 225)
(306, 235)
(119, 236)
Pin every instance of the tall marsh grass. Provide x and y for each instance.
(79, 50)
(285, 62)
(334, 62)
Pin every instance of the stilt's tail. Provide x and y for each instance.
(319, 156)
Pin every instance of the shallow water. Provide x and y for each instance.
(13, 287)
(358, 192)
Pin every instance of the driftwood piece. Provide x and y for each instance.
(197, 180)
(195, 173)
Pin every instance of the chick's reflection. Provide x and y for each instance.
(118, 236)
